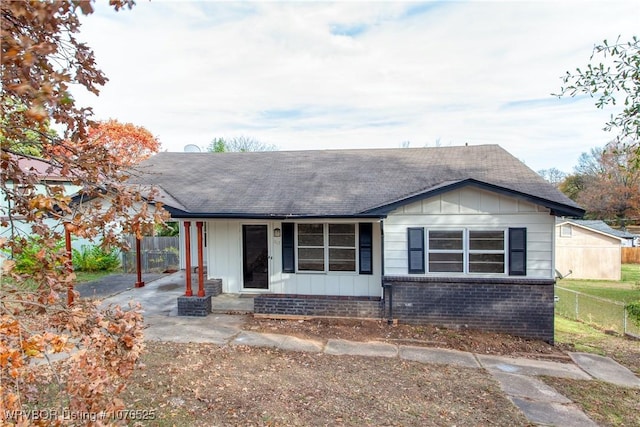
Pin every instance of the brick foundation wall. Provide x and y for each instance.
(521, 307)
(194, 306)
(318, 305)
(213, 287)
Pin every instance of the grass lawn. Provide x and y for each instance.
(606, 404)
(626, 290)
(86, 276)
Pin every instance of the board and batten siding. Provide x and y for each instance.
(224, 252)
(470, 208)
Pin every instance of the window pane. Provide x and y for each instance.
(342, 228)
(446, 262)
(310, 235)
(486, 263)
(445, 240)
(311, 259)
(310, 240)
(342, 235)
(342, 259)
(486, 240)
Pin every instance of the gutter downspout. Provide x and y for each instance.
(387, 289)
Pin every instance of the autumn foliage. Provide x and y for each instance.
(41, 58)
(124, 143)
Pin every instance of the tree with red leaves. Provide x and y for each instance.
(41, 58)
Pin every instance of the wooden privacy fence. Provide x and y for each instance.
(159, 253)
(631, 255)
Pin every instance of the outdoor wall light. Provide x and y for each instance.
(276, 232)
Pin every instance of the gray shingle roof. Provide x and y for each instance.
(602, 227)
(335, 182)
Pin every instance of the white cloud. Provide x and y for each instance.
(315, 75)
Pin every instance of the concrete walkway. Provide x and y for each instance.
(540, 403)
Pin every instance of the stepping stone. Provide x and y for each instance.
(528, 388)
(522, 366)
(605, 369)
(353, 348)
(438, 356)
(553, 414)
(283, 342)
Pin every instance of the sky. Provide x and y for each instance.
(355, 74)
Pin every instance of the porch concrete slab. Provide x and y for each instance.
(352, 348)
(528, 388)
(605, 369)
(213, 329)
(553, 414)
(438, 356)
(523, 366)
(159, 297)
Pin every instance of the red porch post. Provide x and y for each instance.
(67, 244)
(139, 283)
(200, 261)
(187, 252)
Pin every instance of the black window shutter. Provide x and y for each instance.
(288, 248)
(366, 247)
(415, 238)
(517, 252)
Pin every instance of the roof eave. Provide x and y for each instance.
(181, 214)
(557, 209)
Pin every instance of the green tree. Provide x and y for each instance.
(238, 144)
(613, 78)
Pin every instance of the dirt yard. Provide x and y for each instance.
(206, 385)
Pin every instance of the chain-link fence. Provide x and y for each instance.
(158, 254)
(604, 313)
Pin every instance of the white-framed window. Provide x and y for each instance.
(565, 230)
(486, 251)
(466, 251)
(445, 251)
(326, 247)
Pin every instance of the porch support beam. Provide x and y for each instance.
(67, 245)
(139, 283)
(200, 261)
(187, 254)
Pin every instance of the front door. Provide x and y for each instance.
(255, 257)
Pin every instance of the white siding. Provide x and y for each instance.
(470, 208)
(225, 262)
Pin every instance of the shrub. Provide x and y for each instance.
(633, 308)
(94, 258)
(31, 255)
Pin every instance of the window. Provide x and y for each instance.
(311, 247)
(565, 230)
(446, 251)
(342, 247)
(469, 251)
(327, 247)
(486, 251)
